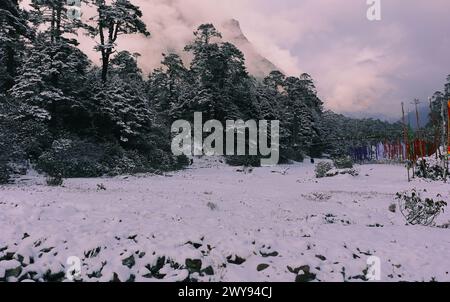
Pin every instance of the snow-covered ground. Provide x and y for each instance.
(215, 223)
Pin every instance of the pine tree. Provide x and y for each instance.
(118, 112)
(56, 18)
(125, 65)
(50, 82)
(169, 87)
(299, 110)
(120, 17)
(220, 77)
(14, 30)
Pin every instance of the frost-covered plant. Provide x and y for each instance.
(4, 173)
(246, 161)
(352, 172)
(72, 158)
(322, 169)
(343, 162)
(418, 210)
(55, 181)
(430, 170)
(212, 206)
(393, 208)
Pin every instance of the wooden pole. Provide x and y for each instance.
(406, 140)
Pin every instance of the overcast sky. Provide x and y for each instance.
(360, 67)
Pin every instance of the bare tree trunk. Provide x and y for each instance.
(105, 65)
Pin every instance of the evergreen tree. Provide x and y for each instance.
(14, 30)
(50, 83)
(169, 87)
(55, 16)
(220, 77)
(120, 17)
(299, 111)
(118, 111)
(125, 65)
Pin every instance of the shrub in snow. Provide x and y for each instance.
(101, 187)
(80, 158)
(116, 162)
(4, 173)
(326, 169)
(352, 172)
(323, 168)
(182, 161)
(212, 206)
(68, 158)
(393, 208)
(335, 172)
(343, 162)
(430, 170)
(418, 210)
(55, 181)
(246, 161)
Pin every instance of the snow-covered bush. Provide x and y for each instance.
(4, 173)
(182, 161)
(343, 162)
(335, 172)
(72, 158)
(393, 208)
(322, 169)
(430, 170)
(419, 210)
(78, 158)
(54, 181)
(246, 161)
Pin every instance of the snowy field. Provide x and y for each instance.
(216, 223)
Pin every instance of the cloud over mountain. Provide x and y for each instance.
(359, 66)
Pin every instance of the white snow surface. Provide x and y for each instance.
(283, 217)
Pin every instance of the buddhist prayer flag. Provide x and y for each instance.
(448, 132)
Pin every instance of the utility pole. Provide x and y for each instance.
(416, 103)
(406, 140)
